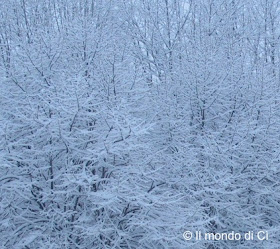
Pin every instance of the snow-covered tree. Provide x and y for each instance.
(125, 123)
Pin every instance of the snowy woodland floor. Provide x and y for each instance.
(124, 123)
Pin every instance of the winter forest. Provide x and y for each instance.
(125, 123)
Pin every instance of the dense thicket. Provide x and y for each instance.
(125, 123)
